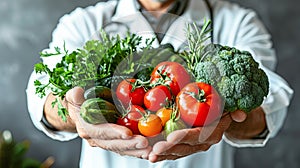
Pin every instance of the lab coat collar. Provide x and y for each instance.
(127, 13)
(196, 9)
(125, 8)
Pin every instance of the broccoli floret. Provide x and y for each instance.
(261, 78)
(242, 86)
(226, 86)
(207, 72)
(241, 82)
(259, 92)
(246, 103)
(230, 104)
(225, 69)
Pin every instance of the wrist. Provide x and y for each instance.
(263, 134)
(51, 119)
(47, 124)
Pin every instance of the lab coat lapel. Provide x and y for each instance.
(127, 14)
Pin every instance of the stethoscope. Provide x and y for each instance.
(115, 27)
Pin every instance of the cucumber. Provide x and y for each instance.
(98, 111)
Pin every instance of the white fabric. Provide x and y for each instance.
(233, 26)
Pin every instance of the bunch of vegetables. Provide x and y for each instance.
(150, 90)
(149, 104)
(234, 73)
(92, 65)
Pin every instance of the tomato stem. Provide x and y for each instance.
(164, 77)
(200, 96)
(175, 115)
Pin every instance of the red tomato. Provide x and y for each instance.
(157, 97)
(131, 119)
(199, 104)
(127, 92)
(150, 126)
(172, 74)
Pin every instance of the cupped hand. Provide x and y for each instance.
(185, 142)
(120, 139)
(107, 136)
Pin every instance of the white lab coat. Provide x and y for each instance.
(233, 26)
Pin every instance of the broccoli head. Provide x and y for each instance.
(236, 75)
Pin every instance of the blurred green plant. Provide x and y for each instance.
(12, 154)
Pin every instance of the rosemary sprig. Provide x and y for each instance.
(197, 44)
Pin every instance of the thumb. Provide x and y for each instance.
(238, 116)
(75, 96)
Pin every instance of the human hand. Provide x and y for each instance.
(184, 142)
(107, 136)
(247, 126)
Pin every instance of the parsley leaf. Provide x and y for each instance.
(97, 60)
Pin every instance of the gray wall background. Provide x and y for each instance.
(25, 29)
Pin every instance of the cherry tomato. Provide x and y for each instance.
(126, 92)
(131, 119)
(172, 74)
(199, 104)
(150, 126)
(164, 114)
(157, 97)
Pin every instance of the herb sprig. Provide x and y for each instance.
(97, 60)
(197, 47)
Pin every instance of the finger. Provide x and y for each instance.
(213, 133)
(73, 100)
(165, 148)
(139, 153)
(161, 147)
(186, 149)
(224, 123)
(180, 136)
(120, 145)
(91, 142)
(74, 112)
(158, 158)
(107, 131)
(75, 96)
(238, 116)
(210, 134)
(191, 136)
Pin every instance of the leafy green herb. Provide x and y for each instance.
(86, 66)
(197, 44)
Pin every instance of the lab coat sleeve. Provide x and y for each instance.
(252, 36)
(73, 30)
